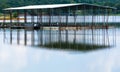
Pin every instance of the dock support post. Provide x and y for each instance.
(25, 32)
(75, 17)
(92, 26)
(32, 34)
(66, 27)
(4, 31)
(41, 28)
(59, 31)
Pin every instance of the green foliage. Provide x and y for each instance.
(15, 15)
(16, 3)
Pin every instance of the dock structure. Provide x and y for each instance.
(57, 25)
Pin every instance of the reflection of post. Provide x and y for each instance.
(18, 34)
(10, 27)
(25, 33)
(41, 36)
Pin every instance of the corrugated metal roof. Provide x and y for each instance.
(55, 6)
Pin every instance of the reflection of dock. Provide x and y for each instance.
(64, 28)
(74, 46)
(82, 19)
(55, 27)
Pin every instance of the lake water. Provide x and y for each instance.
(20, 58)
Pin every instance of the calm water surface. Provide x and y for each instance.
(20, 58)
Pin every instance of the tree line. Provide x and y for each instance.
(17, 3)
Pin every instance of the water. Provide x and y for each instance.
(20, 58)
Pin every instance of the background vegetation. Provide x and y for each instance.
(16, 3)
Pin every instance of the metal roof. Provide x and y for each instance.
(56, 6)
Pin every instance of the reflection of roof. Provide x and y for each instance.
(58, 6)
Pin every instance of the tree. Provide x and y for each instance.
(16, 3)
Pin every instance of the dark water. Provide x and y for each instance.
(20, 58)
